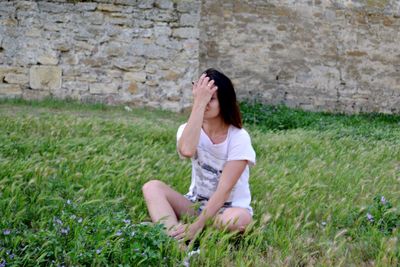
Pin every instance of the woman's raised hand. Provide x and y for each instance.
(203, 90)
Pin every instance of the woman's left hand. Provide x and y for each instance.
(185, 231)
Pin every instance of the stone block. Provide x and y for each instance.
(170, 43)
(186, 6)
(35, 94)
(152, 83)
(146, 4)
(164, 4)
(26, 5)
(86, 6)
(16, 78)
(135, 76)
(129, 63)
(132, 88)
(171, 75)
(34, 32)
(47, 60)
(76, 86)
(10, 90)
(161, 15)
(45, 77)
(4, 70)
(191, 19)
(51, 8)
(110, 8)
(162, 31)
(186, 32)
(103, 88)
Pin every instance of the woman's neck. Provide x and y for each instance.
(215, 127)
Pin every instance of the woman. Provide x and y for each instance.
(221, 152)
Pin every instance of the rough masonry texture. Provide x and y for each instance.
(323, 55)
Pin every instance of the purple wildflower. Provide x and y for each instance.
(383, 200)
(58, 221)
(6, 232)
(118, 233)
(98, 251)
(127, 221)
(3, 263)
(370, 217)
(65, 231)
(11, 256)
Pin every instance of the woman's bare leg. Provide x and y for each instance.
(164, 204)
(233, 219)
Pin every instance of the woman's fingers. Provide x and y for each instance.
(204, 80)
(201, 79)
(178, 231)
(210, 84)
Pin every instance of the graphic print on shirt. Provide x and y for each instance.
(208, 170)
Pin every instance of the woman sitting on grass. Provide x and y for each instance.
(221, 152)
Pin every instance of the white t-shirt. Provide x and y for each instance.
(210, 159)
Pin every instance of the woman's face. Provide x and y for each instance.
(212, 108)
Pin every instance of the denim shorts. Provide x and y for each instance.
(201, 202)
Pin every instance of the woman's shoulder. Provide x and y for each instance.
(238, 132)
(182, 126)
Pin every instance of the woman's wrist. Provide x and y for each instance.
(200, 105)
(199, 225)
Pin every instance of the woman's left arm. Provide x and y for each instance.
(229, 177)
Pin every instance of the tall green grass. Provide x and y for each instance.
(71, 177)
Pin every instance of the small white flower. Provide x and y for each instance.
(127, 108)
(118, 233)
(98, 251)
(383, 200)
(69, 202)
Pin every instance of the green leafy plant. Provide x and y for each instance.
(382, 215)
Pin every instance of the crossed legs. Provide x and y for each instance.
(167, 206)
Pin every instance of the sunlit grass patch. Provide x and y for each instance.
(71, 178)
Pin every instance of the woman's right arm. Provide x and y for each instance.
(203, 90)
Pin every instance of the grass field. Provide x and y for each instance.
(326, 188)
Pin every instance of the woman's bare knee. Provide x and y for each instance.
(151, 187)
(234, 220)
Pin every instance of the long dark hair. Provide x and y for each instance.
(229, 107)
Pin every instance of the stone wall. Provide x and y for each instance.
(336, 55)
(141, 52)
(341, 56)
